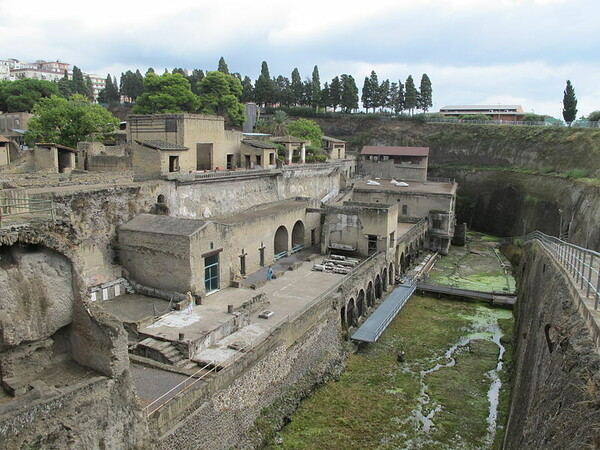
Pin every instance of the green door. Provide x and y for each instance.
(211, 273)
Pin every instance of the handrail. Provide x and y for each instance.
(573, 258)
(25, 207)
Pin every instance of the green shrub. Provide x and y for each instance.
(576, 173)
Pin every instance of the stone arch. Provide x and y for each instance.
(378, 290)
(351, 314)
(402, 264)
(160, 198)
(344, 322)
(280, 241)
(360, 304)
(391, 274)
(370, 294)
(298, 235)
(384, 279)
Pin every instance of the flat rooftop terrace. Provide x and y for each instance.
(414, 187)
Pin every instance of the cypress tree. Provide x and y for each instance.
(264, 88)
(316, 88)
(223, 66)
(569, 104)
(367, 94)
(335, 93)
(411, 96)
(426, 98)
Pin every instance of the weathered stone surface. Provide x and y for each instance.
(37, 294)
(556, 394)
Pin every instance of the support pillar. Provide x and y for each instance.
(290, 152)
(303, 154)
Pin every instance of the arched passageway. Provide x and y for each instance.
(298, 236)
(343, 318)
(360, 303)
(281, 242)
(391, 274)
(378, 290)
(351, 314)
(384, 279)
(402, 264)
(370, 295)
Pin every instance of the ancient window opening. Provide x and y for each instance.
(371, 244)
(173, 163)
(405, 210)
(170, 125)
(229, 162)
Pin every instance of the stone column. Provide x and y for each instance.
(290, 152)
(303, 154)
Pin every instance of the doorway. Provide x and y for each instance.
(211, 273)
(173, 163)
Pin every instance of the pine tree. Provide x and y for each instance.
(349, 99)
(375, 93)
(247, 90)
(264, 88)
(316, 89)
(335, 93)
(384, 94)
(223, 66)
(393, 96)
(297, 87)
(367, 94)
(426, 97)
(65, 86)
(569, 111)
(399, 107)
(411, 96)
(89, 88)
(325, 96)
(79, 86)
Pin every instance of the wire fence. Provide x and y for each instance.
(26, 209)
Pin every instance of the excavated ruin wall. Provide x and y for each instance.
(555, 391)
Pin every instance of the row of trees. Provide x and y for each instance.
(396, 97)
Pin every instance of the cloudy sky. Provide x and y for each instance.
(474, 51)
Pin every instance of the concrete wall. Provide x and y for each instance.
(45, 159)
(555, 392)
(388, 170)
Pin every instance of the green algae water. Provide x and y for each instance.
(449, 393)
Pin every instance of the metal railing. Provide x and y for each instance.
(583, 264)
(235, 173)
(9, 209)
(212, 368)
(414, 231)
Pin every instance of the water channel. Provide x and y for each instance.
(450, 392)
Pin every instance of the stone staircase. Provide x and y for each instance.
(163, 351)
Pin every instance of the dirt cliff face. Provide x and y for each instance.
(556, 377)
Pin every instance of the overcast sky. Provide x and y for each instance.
(474, 51)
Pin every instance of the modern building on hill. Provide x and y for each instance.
(509, 113)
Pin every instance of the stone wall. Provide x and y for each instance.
(47, 180)
(555, 378)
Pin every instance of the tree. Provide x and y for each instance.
(79, 86)
(110, 93)
(167, 93)
(220, 94)
(284, 94)
(65, 86)
(278, 125)
(325, 96)
(297, 87)
(349, 99)
(335, 93)
(569, 104)
(223, 66)
(384, 94)
(306, 129)
(367, 94)
(195, 78)
(132, 84)
(247, 90)
(316, 89)
(69, 121)
(594, 116)
(411, 95)
(22, 95)
(426, 97)
(264, 88)
(375, 93)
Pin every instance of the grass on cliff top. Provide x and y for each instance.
(371, 406)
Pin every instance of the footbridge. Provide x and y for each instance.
(377, 322)
(494, 298)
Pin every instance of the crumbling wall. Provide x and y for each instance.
(555, 376)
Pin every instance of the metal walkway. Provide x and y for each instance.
(377, 322)
(494, 298)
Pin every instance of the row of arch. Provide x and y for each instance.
(281, 240)
(354, 309)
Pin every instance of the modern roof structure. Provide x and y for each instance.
(169, 225)
(483, 109)
(330, 139)
(161, 145)
(289, 140)
(52, 144)
(394, 151)
(258, 144)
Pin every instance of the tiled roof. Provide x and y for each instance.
(289, 140)
(4, 139)
(161, 145)
(394, 151)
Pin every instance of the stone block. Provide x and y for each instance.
(296, 265)
(278, 274)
